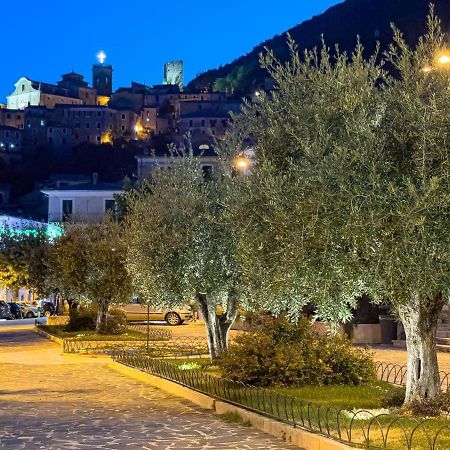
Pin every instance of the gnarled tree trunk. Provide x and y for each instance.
(420, 319)
(217, 327)
(102, 315)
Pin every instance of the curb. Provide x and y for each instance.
(48, 336)
(296, 436)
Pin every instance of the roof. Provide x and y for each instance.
(6, 128)
(63, 106)
(87, 187)
(206, 113)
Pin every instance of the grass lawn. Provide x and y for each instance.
(91, 335)
(316, 407)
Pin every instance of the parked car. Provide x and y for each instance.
(137, 311)
(16, 310)
(29, 311)
(46, 308)
(5, 312)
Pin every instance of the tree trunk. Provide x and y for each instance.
(420, 319)
(217, 327)
(72, 309)
(102, 316)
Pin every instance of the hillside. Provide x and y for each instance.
(370, 19)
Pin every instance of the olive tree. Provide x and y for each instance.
(89, 265)
(23, 259)
(350, 192)
(180, 247)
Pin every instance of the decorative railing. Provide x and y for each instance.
(396, 374)
(155, 334)
(178, 347)
(360, 428)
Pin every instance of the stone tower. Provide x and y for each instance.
(102, 79)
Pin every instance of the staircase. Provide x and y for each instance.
(442, 334)
(443, 330)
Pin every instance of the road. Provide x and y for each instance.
(51, 401)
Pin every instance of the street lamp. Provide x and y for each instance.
(242, 163)
(444, 59)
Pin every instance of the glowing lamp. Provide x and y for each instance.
(242, 163)
(101, 56)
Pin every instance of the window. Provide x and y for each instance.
(99, 114)
(77, 125)
(67, 209)
(98, 139)
(64, 130)
(50, 130)
(190, 123)
(203, 123)
(110, 206)
(87, 125)
(8, 116)
(50, 140)
(23, 87)
(123, 127)
(99, 125)
(207, 172)
(124, 116)
(213, 123)
(6, 134)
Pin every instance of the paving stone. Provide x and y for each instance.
(50, 401)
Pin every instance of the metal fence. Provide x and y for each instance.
(361, 428)
(178, 347)
(155, 334)
(396, 374)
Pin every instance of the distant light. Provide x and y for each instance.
(427, 69)
(444, 59)
(12, 145)
(203, 147)
(101, 56)
(257, 93)
(242, 163)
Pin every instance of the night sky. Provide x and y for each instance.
(44, 38)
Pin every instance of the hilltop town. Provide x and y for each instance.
(77, 134)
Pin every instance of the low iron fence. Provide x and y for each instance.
(155, 334)
(176, 348)
(361, 428)
(396, 374)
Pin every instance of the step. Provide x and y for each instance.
(443, 341)
(439, 347)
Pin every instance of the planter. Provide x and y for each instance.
(366, 333)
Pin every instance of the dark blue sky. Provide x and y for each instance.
(44, 38)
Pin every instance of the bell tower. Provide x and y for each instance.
(102, 76)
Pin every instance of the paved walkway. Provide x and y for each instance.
(51, 401)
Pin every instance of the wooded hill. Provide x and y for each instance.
(340, 24)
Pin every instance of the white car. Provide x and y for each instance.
(29, 311)
(137, 311)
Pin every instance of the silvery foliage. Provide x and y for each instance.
(178, 243)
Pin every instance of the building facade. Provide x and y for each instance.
(82, 203)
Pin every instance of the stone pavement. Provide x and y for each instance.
(50, 401)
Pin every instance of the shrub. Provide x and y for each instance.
(394, 398)
(82, 320)
(431, 407)
(116, 322)
(285, 354)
